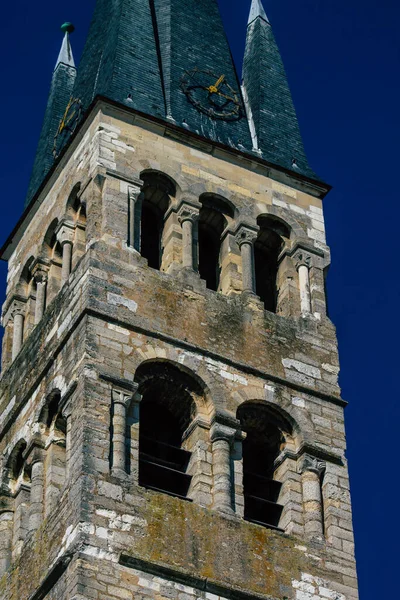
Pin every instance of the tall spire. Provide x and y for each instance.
(66, 57)
(257, 10)
(272, 117)
(61, 88)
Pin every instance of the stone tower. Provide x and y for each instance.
(171, 425)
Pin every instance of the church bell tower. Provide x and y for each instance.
(171, 425)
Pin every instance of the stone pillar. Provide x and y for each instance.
(18, 335)
(122, 401)
(6, 533)
(245, 238)
(188, 215)
(303, 263)
(66, 235)
(222, 438)
(35, 457)
(135, 199)
(40, 276)
(311, 473)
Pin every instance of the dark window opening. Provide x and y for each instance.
(151, 231)
(211, 225)
(155, 199)
(165, 413)
(209, 250)
(267, 248)
(261, 447)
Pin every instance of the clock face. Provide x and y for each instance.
(67, 125)
(212, 95)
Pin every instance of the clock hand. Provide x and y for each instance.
(213, 89)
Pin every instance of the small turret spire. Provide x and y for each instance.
(66, 57)
(62, 85)
(257, 10)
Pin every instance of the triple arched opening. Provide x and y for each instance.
(211, 246)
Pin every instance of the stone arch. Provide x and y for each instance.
(284, 215)
(73, 202)
(26, 278)
(166, 367)
(15, 462)
(172, 399)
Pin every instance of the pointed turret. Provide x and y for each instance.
(62, 84)
(273, 121)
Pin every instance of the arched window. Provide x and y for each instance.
(52, 254)
(154, 202)
(269, 243)
(16, 465)
(166, 410)
(76, 215)
(264, 442)
(212, 222)
(27, 289)
(55, 464)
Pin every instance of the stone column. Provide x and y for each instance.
(303, 263)
(121, 404)
(20, 529)
(66, 235)
(6, 533)
(41, 277)
(222, 438)
(312, 470)
(188, 215)
(245, 238)
(17, 314)
(135, 199)
(35, 459)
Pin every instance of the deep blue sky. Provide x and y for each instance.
(342, 59)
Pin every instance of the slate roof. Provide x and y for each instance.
(138, 53)
(269, 97)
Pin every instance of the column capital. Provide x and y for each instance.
(303, 259)
(245, 234)
(222, 432)
(134, 192)
(125, 397)
(65, 232)
(188, 211)
(35, 451)
(311, 464)
(17, 307)
(40, 271)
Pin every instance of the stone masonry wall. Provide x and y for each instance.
(107, 537)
